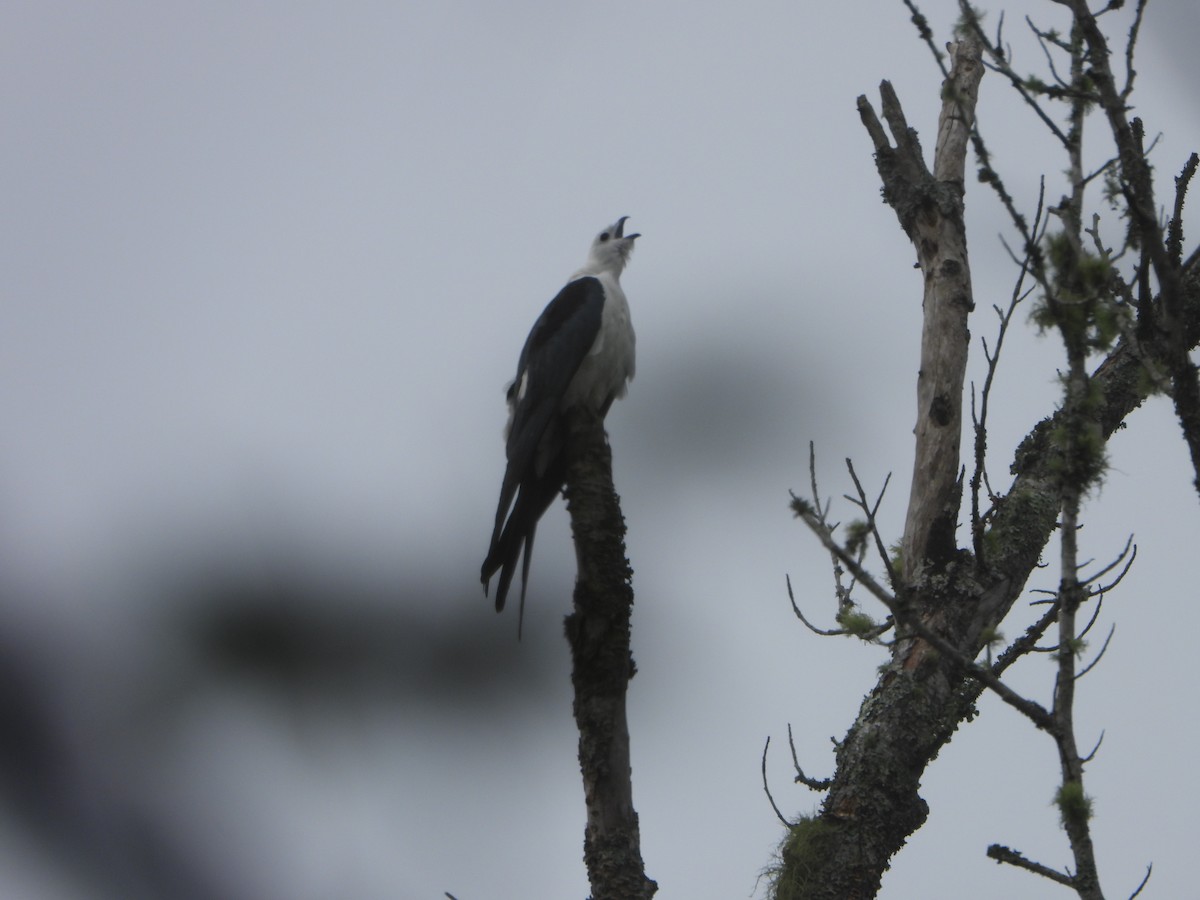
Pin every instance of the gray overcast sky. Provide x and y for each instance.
(265, 270)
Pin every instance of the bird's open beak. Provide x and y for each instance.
(620, 232)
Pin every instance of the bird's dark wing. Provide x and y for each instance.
(553, 352)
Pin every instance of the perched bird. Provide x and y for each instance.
(579, 353)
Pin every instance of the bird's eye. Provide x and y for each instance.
(604, 237)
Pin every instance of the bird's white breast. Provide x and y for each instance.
(609, 365)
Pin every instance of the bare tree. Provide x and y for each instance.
(1127, 315)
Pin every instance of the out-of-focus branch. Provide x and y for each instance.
(1137, 182)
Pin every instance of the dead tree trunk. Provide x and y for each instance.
(598, 632)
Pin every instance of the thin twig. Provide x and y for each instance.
(862, 575)
(816, 784)
(1087, 759)
(1145, 879)
(870, 513)
(1043, 38)
(1129, 545)
(1130, 72)
(1001, 65)
(1026, 643)
(979, 476)
(1099, 655)
(1003, 854)
(1095, 613)
(832, 632)
(926, 34)
(840, 590)
(767, 788)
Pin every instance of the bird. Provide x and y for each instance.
(579, 353)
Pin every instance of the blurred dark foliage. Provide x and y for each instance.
(72, 777)
(351, 640)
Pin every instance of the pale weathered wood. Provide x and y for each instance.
(937, 231)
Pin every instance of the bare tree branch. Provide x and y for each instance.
(1145, 880)
(1096, 749)
(979, 476)
(1127, 557)
(845, 601)
(1096, 660)
(1138, 187)
(1175, 226)
(1130, 73)
(823, 632)
(815, 784)
(999, 63)
(907, 619)
(767, 787)
(1003, 854)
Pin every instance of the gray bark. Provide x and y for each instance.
(598, 632)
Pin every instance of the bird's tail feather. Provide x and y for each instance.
(525, 578)
(533, 499)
